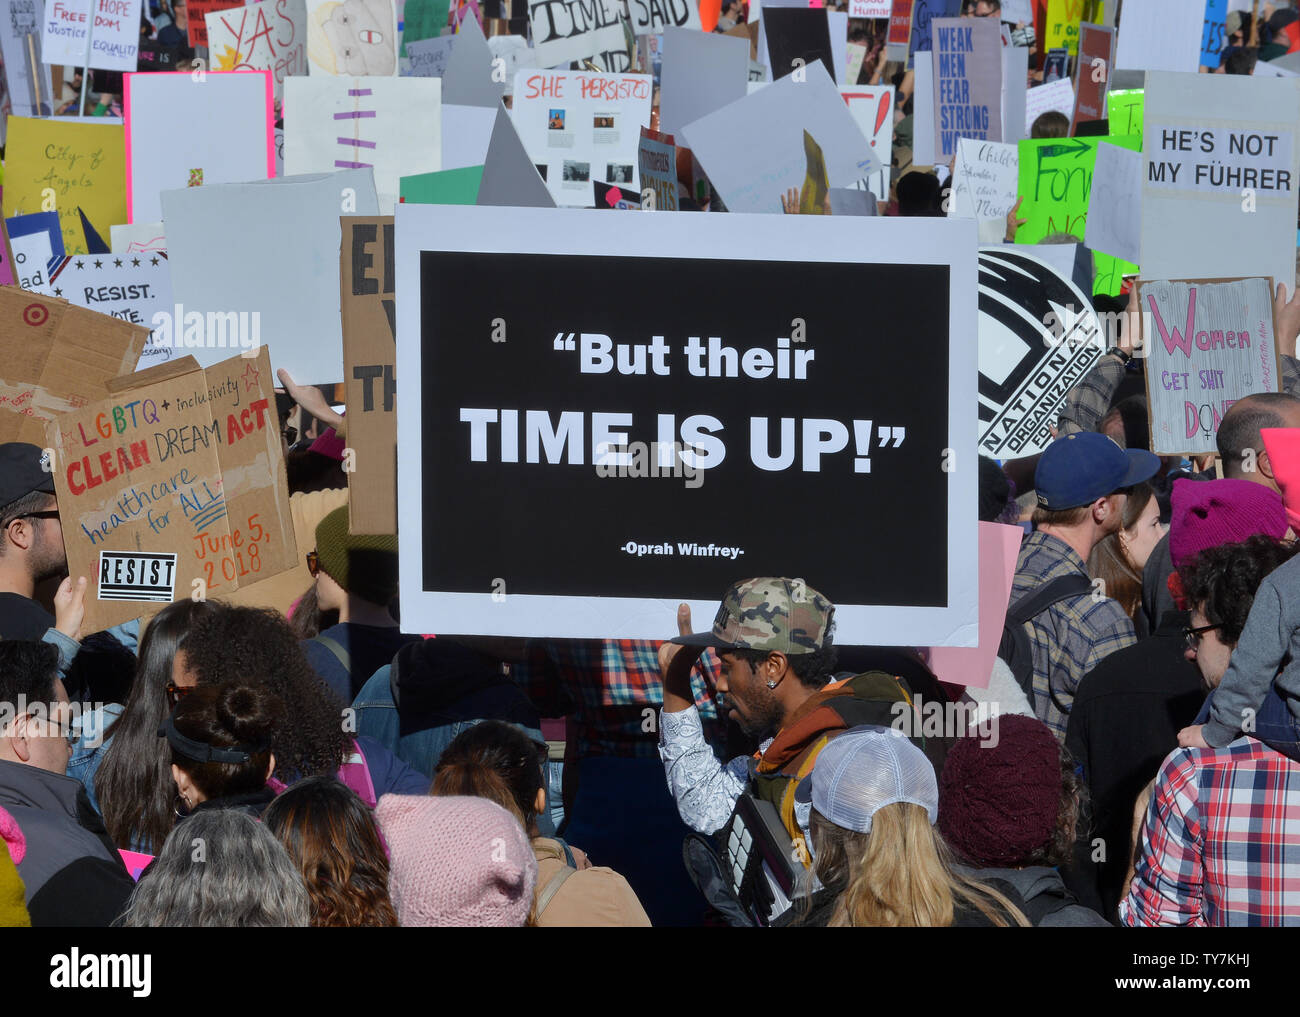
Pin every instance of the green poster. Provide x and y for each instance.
(1055, 184)
(445, 187)
(423, 19)
(1124, 107)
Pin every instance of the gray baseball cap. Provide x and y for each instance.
(863, 770)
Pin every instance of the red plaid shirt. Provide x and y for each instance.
(1221, 840)
(611, 690)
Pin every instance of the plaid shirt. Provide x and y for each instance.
(611, 690)
(1221, 841)
(1070, 638)
(1090, 398)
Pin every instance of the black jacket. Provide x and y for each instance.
(72, 872)
(1127, 713)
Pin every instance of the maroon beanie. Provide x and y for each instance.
(998, 804)
(1208, 513)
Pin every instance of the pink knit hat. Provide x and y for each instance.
(1207, 513)
(1283, 447)
(456, 861)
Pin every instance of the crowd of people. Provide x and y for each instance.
(1132, 758)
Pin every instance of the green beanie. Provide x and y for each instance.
(364, 565)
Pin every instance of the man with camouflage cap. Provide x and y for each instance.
(774, 639)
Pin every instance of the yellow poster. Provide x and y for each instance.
(1063, 17)
(58, 165)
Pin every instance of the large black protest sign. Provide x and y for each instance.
(589, 437)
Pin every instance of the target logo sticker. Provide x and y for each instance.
(35, 314)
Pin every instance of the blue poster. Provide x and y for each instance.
(1214, 37)
(923, 13)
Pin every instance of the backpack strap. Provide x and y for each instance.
(787, 800)
(551, 888)
(340, 651)
(1059, 589)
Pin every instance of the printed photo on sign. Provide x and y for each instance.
(639, 429)
(134, 575)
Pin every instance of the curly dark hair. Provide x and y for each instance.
(1222, 580)
(812, 669)
(332, 839)
(257, 646)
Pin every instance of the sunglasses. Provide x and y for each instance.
(175, 693)
(1193, 636)
(313, 563)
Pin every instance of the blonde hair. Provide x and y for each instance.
(899, 875)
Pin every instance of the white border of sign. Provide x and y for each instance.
(949, 242)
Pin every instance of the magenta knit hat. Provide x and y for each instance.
(456, 861)
(1212, 512)
(998, 804)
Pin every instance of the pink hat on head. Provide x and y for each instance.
(456, 861)
(1283, 447)
(1207, 513)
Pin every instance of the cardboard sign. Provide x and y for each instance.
(1015, 92)
(703, 73)
(198, 11)
(423, 19)
(20, 23)
(1092, 73)
(923, 13)
(973, 666)
(569, 30)
(175, 483)
(872, 109)
(266, 36)
(55, 357)
(1209, 343)
(1124, 108)
(870, 8)
(1220, 159)
(985, 179)
(7, 268)
(356, 38)
(753, 150)
(366, 276)
(114, 42)
(1038, 336)
(1115, 203)
(284, 225)
(900, 26)
(580, 126)
(471, 78)
(134, 287)
(1214, 34)
(391, 126)
(510, 177)
(1161, 35)
(76, 164)
(1056, 97)
(37, 241)
(135, 238)
(445, 187)
(1056, 184)
(967, 55)
(1062, 26)
(428, 57)
(796, 38)
(657, 161)
(188, 132)
(649, 17)
(748, 411)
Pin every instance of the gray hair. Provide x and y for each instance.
(220, 868)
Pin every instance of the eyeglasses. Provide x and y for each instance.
(175, 693)
(313, 563)
(1193, 636)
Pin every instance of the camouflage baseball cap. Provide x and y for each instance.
(769, 614)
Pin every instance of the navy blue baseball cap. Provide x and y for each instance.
(1080, 468)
